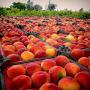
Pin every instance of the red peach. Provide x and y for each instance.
(19, 47)
(40, 44)
(68, 83)
(49, 86)
(9, 48)
(18, 43)
(56, 73)
(19, 51)
(14, 57)
(62, 60)
(32, 68)
(21, 82)
(84, 61)
(15, 70)
(72, 69)
(39, 78)
(47, 64)
(89, 66)
(77, 53)
(83, 78)
(6, 52)
(40, 53)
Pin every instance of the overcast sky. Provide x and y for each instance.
(61, 4)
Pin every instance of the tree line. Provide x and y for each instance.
(30, 6)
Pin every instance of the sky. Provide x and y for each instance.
(61, 4)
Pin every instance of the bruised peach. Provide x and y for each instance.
(39, 78)
(15, 70)
(47, 64)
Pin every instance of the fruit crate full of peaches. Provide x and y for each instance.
(44, 53)
(46, 74)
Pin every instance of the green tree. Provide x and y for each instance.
(29, 6)
(18, 5)
(81, 10)
(2, 11)
(37, 7)
(51, 6)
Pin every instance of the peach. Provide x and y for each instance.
(17, 43)
(49, 86)
(19, 51)
(31, 68)
(72, 69)
(26, 42)
(14, 57)
(29, 46)
(5, 39)
(33, 48)
(9, 48)
(61, 60)
(52, 42)
(56, 73)
(39, 78)
(67, 44)
(51, 52)
(40, 43)
(26, 55)
(89, 66)
(6, 52)
(70, 37)
(47, 64)
(68, 83)
(84, 61)
(21, 82)
(54, 36)
(40, 53)
(83, 78)
(19, 47)
(15, 70)
(77, 53)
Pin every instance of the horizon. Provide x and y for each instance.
(61, 4)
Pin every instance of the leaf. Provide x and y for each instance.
(59, 75)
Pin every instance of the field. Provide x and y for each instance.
(65, 13)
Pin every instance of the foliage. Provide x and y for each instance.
(51, 6)
(65, 13)
(2, 11)
(37, 7)
(29, 6)
(18, 5)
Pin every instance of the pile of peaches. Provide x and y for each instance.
(54, 72)
(50, 74)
